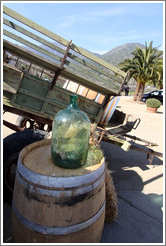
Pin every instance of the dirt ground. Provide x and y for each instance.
(12, 118)
(151, 125)
(135, 180)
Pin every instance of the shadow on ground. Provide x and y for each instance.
(117, 158)
(139, 215)
(139, 220)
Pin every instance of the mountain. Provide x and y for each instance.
(120, 53)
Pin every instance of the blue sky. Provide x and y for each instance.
(98, 26)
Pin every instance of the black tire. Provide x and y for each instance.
(25, 122)
(12, 145)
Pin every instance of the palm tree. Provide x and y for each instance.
(144, 67)
(158, 78)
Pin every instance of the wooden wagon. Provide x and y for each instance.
(40, 72)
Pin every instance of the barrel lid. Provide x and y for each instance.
(36, 157)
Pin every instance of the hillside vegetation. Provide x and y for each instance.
(120, 53)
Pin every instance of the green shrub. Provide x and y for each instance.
(153, 103)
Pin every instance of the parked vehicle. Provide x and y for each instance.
(158, 94)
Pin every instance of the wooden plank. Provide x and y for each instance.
(97, 60)
(18, 107)
(29, 56)
(11, 78)
(88, 107)
(45, 103)
(61, 95)
(31, 45)
(7, 96)
(33, 36)
(34, 86)
(37, 79)
(96, 104)
(54, 47)
(8, 88)
(49, 113)
(52, 109)
(52, 66)
(7, 102)
(88, 82)
(28, 100)
(95, 68)
(32, 98)
(83, 103)
(34, 25)
(57, 38)
(32, 101)
(117, 141)
(91, 75)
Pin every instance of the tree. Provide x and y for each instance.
(158, 78)
(145, 67)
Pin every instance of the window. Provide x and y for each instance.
(155, 93)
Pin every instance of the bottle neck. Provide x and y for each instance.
(73, 101)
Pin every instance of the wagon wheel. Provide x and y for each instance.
(12, 145)
(32, 124)
(41, 126)
(10, 171)
(27, 123)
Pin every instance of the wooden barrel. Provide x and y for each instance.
(56, 205)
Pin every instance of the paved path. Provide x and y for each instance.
(139, 185)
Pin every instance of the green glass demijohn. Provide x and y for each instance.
(70, 136)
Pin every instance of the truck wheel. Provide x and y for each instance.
(12, 145)
(32, 124)
(25, 122)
